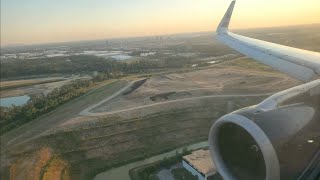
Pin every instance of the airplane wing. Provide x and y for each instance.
(278, 138)
(301, 64)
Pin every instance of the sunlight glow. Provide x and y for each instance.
(40, 21)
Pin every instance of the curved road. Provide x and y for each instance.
(88, 113)
(60, 115)
(33, 131)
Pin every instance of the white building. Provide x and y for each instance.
(200, 164)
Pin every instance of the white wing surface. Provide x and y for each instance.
(301, 64)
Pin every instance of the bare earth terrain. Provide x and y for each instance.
(225, 79)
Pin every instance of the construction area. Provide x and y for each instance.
(222, 80)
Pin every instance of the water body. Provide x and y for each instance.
(123, 171)
(17, 101)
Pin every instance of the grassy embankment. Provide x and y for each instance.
(67, 110)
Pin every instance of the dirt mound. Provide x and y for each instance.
(134, 87)
(162, 96)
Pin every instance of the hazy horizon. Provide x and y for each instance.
(145, 36)
(43, 22)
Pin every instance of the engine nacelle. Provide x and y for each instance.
(276, 139)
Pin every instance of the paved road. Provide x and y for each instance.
(45, 123)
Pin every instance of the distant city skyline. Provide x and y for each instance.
(47, 21)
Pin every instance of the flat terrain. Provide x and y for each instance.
(35, 86)
(130, 121)
(62, 114)
(27, 82)
(240, 76)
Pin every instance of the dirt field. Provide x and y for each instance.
(234, 77)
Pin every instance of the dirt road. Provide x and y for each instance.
(88, 113)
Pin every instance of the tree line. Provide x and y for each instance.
(86, 64)
(66, 65)
(14, 116)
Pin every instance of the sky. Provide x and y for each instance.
(45, 21)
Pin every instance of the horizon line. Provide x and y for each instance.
(16, 45)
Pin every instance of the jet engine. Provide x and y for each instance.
(276, 139)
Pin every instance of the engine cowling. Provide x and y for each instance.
(276, 139)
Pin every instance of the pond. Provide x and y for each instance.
(16, 100)
(123, 171)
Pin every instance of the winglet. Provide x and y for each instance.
(224, 24)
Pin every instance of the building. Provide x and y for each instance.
(200, 164)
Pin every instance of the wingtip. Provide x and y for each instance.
(224, 24)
